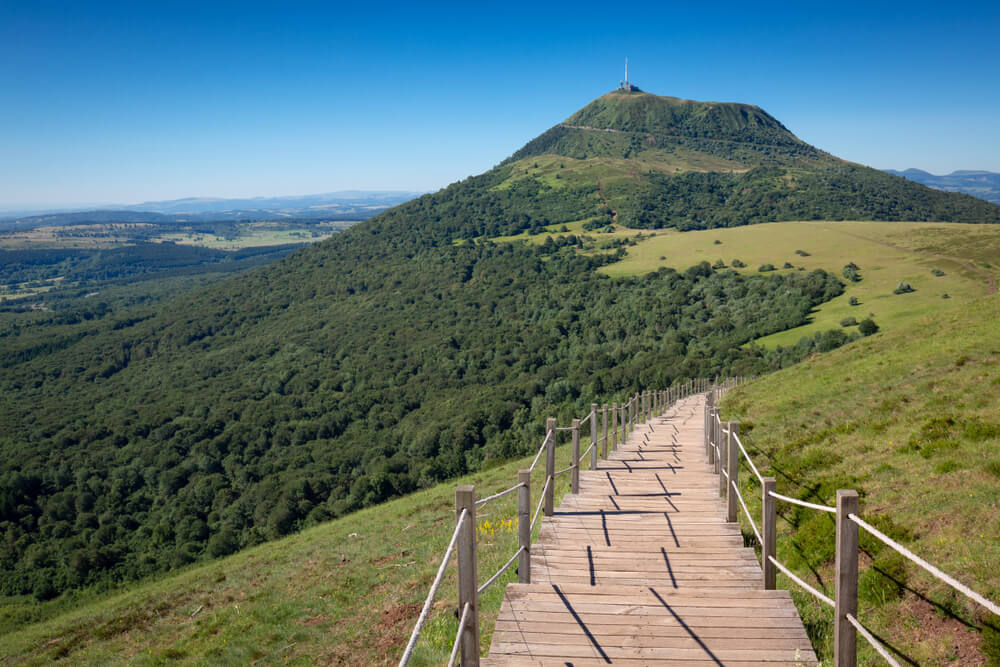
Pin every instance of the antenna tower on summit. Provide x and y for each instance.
(625, 85)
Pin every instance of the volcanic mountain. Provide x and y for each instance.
(651, 161)
(411, 348)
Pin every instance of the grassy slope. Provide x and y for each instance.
(346, 592)
(909, 417)
(887, 252)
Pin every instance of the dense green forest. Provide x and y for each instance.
(339, 378)
(408, 349)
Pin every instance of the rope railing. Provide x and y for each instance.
(876, 644)
(951, 581)
(541, 501)
(791, 575)
(625, 418)
(479, 591)
(495, 496)
(749, 461)
(746, 512)
(458, 635)
(803, 503)
(407, 652)
(540, 450)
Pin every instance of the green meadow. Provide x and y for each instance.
(887, 254)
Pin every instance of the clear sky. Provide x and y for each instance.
(127, 102)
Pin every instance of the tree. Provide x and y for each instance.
(867, 327)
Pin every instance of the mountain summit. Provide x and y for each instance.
(624, 124)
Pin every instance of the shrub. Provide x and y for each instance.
(717, 242)
(719, 264)
(788, 265)
(852, 272)
(854, 301)
(867, 327)
(903, 288)
(848, 322)
(937, 272)
(802, 253)
(945, 296)
(738, 264)
(764, 268)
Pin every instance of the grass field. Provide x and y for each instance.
(346, 592)
(911, 419)
(886, 252)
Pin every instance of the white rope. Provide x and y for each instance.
(796, 501)
(586, 419)
(876, 644)
(483, 501)
(747, 457)
(584, 455)
(503, 569)
(539, 508)
(567, 469)
(954, 583)
(747, 512)
(564, 428)
(458, 635)
(434, 588)
(540, 450)
(800, 582)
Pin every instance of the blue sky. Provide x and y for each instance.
(127, 102)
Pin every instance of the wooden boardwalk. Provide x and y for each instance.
(642, 568)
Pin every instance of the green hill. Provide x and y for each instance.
(908, 418)
(408, 350)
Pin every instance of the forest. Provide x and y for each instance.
(336, 379)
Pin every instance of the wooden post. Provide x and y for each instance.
(468, 577)
(709, 450)
(723, 461)
(733, 468)
(769, 532)
(614, 426)
(845, 637)
(593, 436)
(550, 467)
(604, 431)
(524, 526)
(717, 449)
(624, 420)
(574, 471)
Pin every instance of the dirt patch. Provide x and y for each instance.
(394, 627)
(315, 620)
(931, 626)
(386, 559)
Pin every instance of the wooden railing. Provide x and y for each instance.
(723, 447)
(617, 422)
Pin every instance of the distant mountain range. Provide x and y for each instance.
(982, 184)
(342, 205)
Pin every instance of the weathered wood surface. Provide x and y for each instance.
(642, 568)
